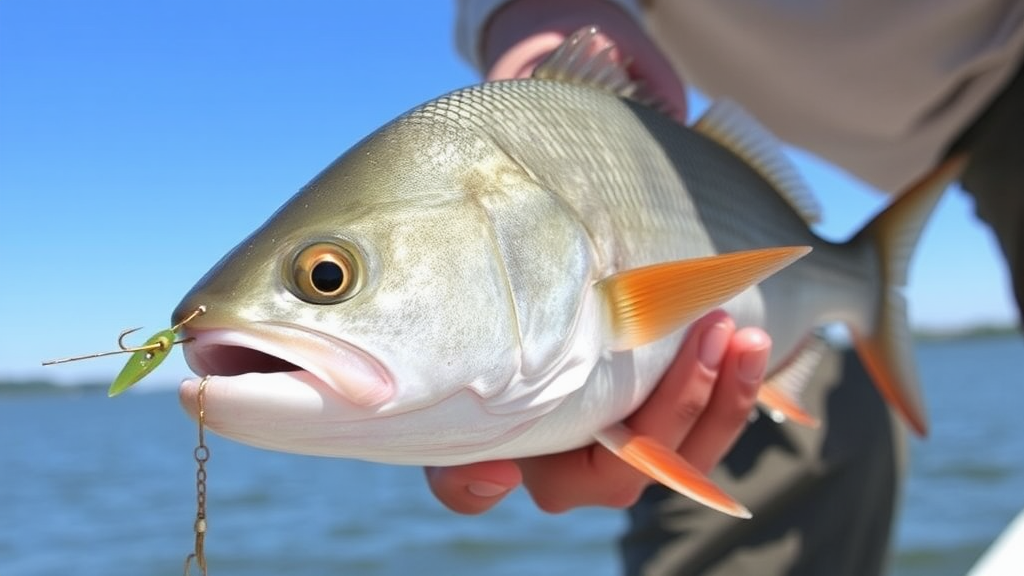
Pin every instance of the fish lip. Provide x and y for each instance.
(340, 366)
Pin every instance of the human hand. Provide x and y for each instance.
(523, 33)
(700, 406)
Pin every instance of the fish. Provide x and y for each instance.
(508, 270)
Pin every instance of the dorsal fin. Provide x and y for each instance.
(584, 59)
(731, 126)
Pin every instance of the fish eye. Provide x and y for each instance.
(326, 273)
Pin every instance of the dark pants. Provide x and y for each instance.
(823, 500)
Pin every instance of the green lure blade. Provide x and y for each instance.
(144, 358)
(143, 362)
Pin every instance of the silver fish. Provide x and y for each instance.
(507, 271)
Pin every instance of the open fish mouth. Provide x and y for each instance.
(276, 361)
(234, 359)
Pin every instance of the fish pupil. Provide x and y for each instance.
(327, 277)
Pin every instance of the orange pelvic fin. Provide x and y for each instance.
(664, 465)
(652, 302)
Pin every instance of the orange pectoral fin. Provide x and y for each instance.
(664, 465)
(651, 302)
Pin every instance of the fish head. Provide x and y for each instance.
(375, 312)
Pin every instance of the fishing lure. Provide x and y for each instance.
(144, 358)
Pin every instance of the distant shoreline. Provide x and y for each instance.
(40, 387)
(967, 333)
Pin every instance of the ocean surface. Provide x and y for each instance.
(91, 485)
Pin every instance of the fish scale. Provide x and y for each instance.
(608, 168)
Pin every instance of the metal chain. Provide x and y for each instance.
(202, 455)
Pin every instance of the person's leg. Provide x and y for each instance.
(822, 500)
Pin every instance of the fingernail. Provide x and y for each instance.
(486, 489)
(752, 365)
(712, 346)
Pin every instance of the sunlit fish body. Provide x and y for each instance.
(474, 280)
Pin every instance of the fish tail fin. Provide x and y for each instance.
(666, 466)
(884, 341)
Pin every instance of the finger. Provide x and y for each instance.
(473, 488)
(560, 482)
(733, 398)
(595, 476)
(658, 81)
(525, 20)
(681, 397)
(520, 59)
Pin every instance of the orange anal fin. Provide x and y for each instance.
(782, 391)
(781, 407)
(664, 465)
(649, 303)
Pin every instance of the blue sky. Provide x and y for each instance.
(139, 141)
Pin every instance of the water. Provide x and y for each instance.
(90, 485)
(967, 479)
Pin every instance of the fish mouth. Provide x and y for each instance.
(269, 355)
